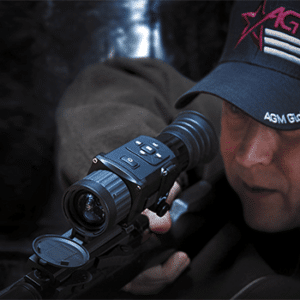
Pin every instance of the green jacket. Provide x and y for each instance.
(111, 103)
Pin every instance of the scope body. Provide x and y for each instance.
(148, 169)
(138, 175)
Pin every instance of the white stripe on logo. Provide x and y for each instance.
(282, 54)
(282, 45)
(279, 44)
(283, 36)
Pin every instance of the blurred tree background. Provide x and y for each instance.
(44, 44)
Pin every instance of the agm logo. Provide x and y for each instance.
(283, 119)
(256, 30)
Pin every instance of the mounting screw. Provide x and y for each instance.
(164, 172)
(95, 160)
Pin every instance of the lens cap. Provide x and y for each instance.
(60, 251)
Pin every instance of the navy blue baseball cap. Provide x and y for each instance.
(259, 70)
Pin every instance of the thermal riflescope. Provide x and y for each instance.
(138, 175)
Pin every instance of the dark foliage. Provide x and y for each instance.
(38, 59)
(194, 33)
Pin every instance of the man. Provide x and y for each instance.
(257, 82)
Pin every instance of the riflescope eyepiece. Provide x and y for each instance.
(138, 175)
(196, 133)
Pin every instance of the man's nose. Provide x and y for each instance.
(258, 146)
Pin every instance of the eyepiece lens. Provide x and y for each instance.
(90, 210)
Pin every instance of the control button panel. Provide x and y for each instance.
(152, 152)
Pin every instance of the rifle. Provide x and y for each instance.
(107, 245)
(117, 261)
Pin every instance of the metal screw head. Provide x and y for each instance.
(164, 172)
(95, 160)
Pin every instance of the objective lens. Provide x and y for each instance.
(96, 203)
(90, 210)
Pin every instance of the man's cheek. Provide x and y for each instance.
(228, 154)
(227, 145)
(227, 139)
(228, 149)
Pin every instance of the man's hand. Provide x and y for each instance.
(153, 280)
(156, 278)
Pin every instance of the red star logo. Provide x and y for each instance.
(256, 30)
(259, 16)
(256, 36)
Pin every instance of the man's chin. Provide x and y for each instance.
(266, 223)
(263, 211)
(261, 226)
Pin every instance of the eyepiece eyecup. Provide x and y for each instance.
(198, 135)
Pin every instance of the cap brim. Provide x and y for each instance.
(269, 96)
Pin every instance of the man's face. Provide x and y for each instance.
(263, 166)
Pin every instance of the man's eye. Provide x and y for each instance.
(234, 109)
